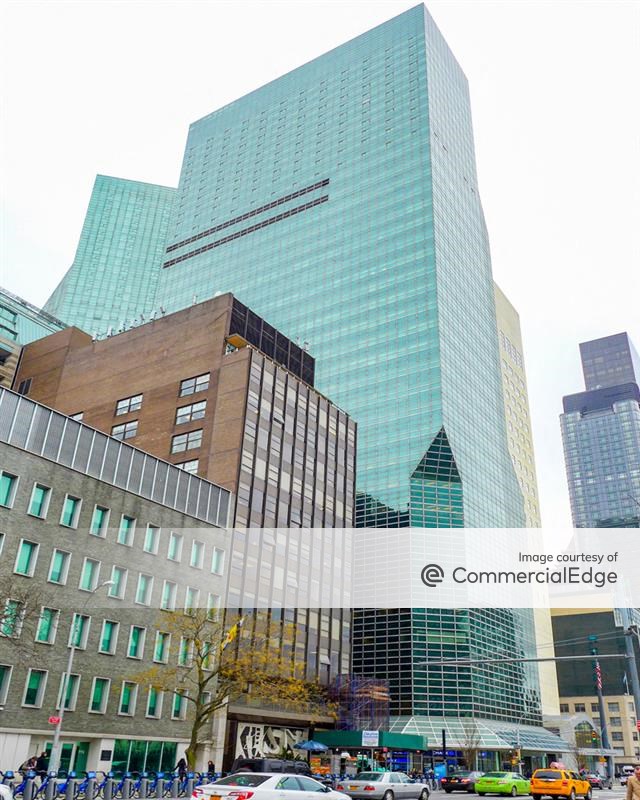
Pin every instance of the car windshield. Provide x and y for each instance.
(369, 776)
(242, 779)
(548, 773)
(461, 774)
(494, 774)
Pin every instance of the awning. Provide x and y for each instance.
(490, 734)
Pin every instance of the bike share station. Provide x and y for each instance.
(31, 786)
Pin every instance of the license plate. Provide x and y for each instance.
(353, 788)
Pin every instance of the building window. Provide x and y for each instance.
(125, 431)
(185, 654)
(129, 404)
(79, 631)
(580, 707)
(564, 708)
(197, 554)
(144, 589)
(34, 688)
(109, 637)
(213, 605)
(11, 618)
(5, 680)
(126, 530)
(613, 706)
(186, 441)
(179, 706)
(151, 539)
(39, 501)
(154, 703)
(136, 642)
(128, 698)
(191, 413)
(70, 511)
(59, 567)
(119, 578)
(193, 385)
(47, 625)
(617, 721)
(99, 695)
(189, 466)
(70, 688)
(168, 602)
(217, 561)
(595, 707)
(90, 575)
(191, 600)
(161, 649)
(8, 485)
(99, 521)
(24, 386)
(616, 736)
(26, 558)
(175, 546)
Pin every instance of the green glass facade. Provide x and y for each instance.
(21, 322)
(341, 202)
(114, 274)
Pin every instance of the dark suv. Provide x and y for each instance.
(270, 765)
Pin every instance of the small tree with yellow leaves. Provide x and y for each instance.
(221, 659)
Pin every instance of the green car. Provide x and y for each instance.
(502, 783)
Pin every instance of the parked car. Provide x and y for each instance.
(264, 786)
(511, 783)
(599, 781)
(464, 780)
(383, 786)
(559, 783)
(270, 765)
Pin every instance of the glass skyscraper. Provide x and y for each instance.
(601, 436)
(340, 202)
(114, 275)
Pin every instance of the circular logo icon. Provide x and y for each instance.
(432, 575)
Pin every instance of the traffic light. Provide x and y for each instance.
(594, 738)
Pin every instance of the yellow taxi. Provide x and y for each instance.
(559, 782)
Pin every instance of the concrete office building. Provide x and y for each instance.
(20, 323)
(114, 274)
(520, 442)
(601, 436)
(79, 508)
(217, 391)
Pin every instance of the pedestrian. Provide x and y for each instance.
(41, 765)
(211, 769)
(181, 769)
(633, 784)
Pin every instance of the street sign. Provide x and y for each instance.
(370, 738)
(54, 720)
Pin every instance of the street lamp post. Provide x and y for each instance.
(54, 760)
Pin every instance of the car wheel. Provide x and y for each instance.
(424, 794)
(481, 794)
(448, 791)
(589, 794)
(388, 795)
(572, 794)
(513, 792)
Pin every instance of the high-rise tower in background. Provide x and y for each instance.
(114, 274)
(601, 436)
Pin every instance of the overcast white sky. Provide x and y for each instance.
(111, 87)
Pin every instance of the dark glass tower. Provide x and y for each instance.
(601, 436)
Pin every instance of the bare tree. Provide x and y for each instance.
(470, 743)
(22, 612)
